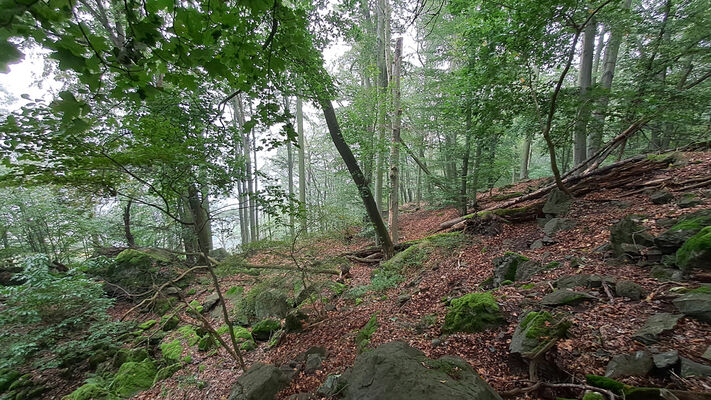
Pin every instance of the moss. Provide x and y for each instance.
(411, 257)
(248, 345)
(605, 383)
(90, 391)
(164, 305)
(167, 372)
(241, 333)
(7, 377)
(506, 282)
(593, 396)
(133, 377)
(188, 333)
(191, 291)
(195, 306)
(454, 371)
(695, 251)
(187, 359)
(473, 312)
(171, 350)
(528, 286)
(665, 158)
(363, 337)
(206, 343)
(641, 393)
(264, 329)
(701, 289)
(169, 322)
(147, 325)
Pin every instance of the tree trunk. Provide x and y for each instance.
(525, 157)
(253, 201)
(395, 145)
(302, 165)
(130, 240)
(200, 222)
(465, 163)
(608, 72)
(584, 82)
(358, 177)
(242, 195)
(598, 53)
(383, 78)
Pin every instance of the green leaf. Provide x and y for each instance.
(8, 55)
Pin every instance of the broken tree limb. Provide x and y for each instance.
(289, 268)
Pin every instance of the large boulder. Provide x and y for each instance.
(271, 303)
(696, 251)
(536, 330)
(473, 312)
(135, 271)
(655, 326)
(558, 224)
(396, 371)
(687, 226)
(692, 368)
(260, 382)
(628, 231)
(629, 289)
(637, 364)
(695, 305)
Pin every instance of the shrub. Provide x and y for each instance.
(48, 307)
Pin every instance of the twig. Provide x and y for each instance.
(607, 292)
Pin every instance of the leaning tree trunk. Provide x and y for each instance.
(358, 178)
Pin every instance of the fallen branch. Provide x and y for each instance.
(537, 385)
(288, 268)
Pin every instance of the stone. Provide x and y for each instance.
(535, 330)
(558, 224)
(506, 266)
(271, 304)
(294, 321)
(135, 271)
(300, 396)
(572, 281)
(313, 363)
(707, 354)
(290, 369)
(318, 350)
(666, 360)
(403, 298)
(691, 368)
(696, 251)
(263, 330)
(661, 197)
(557, 203)
(566, 297)
(210, 302)
(167, 372)
(629, 231)
(537, 244)
(655, 326)
(637, 364)
(629, 289)
(473, 312)
(688, 200)
(687, 226)
(695, 305)
(219, 254)
(396, 371)
(133, 377)
(333, 385)
(260, 382)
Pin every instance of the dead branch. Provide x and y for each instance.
(289, 268)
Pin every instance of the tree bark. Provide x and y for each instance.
(130, 240)
(465, 162)
(302, 165)
(358, 177)
(525, 157)
(395, 144)
(584, 83)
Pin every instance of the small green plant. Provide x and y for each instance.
(363, 337)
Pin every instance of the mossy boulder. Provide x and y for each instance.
(147, 325)
(536, 330)
(248, 345)
(506, 266)
(172, 351)
(133, 377)
(696, 251)
(206, 343)
(473, 312)
(261, 381)
(167, 372)
(169, 322)
(136, 271)
(91, 391)
(264, 329)
(687, 226)
(7, 377)
(271, 303)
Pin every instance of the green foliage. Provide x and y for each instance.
(362, 339)
(171, 350)
(48, 309)
(91, 391)
(696, 251)
(472, 312)
(133, 377)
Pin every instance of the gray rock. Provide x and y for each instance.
(301, 396)
(558, 224)
(666, 360)
(688, 225)
(290, 369)
(566, 297)
(396, 371)
(629, 231)
(695, 305)
(318, 350)
(333, 385)
(537, 244)
(313, 363)
(688, 201)
(637, 364)
(691, 368)
(557, 203)
(661, 197)
(535, 330)
(506, 266)
(572, 281)
(271, 304)
(707, 354)
(437, 341)
(210, 302)
(403, 298)
(528, 269)
(260, 382)
(655, 326)
(629, 289)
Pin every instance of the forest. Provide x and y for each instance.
(355, 199)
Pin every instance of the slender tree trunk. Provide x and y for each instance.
(130, 240)
(200, 222)
(302, 165)
(240, 166)
(598, 53)
(584, 82)
(290, 166)
(525, 157)
(395, 144)
(358, 177)
(383, 27)
(255, 206)
(608, 72)
(187, 230)
(475, 174)
(463, 200)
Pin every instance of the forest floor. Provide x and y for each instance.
(600, 329)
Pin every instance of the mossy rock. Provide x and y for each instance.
(147, 325)
(696, 251)
(172, 350)
(189, 334)
(136, 271)
(536, 330)
(687, 226)
(506, 266)
(133, 377)
(167, 372)
(91, 391)
(7, 377)
(590, 395)
(126, 355)
(206, 343)
(264, 329)
(169, 322)
(473, 312)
